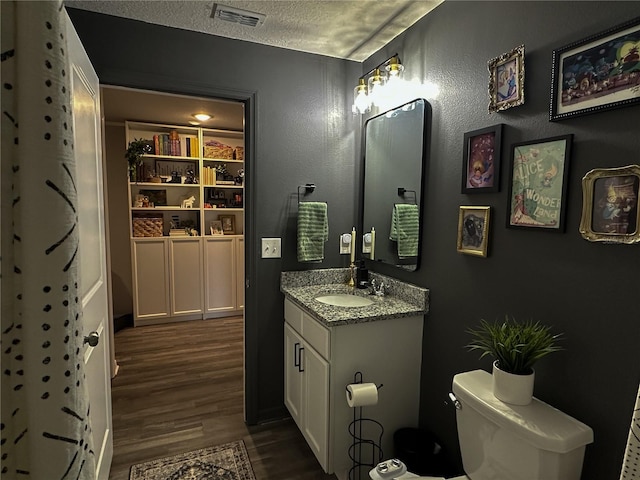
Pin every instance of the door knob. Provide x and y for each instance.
(92, 339)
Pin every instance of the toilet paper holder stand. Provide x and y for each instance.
(371, 447)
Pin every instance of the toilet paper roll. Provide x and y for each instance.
(362, 394)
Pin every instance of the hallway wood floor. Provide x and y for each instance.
(179, 388)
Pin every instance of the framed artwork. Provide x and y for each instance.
(597, 73)
(506, 80)
(473, 230)
(215, 227)
(538, 183)
(228, 224)
(610, 205)
(481, 160)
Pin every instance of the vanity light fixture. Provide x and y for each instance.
(372, 91)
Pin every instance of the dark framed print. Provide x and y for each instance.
(228, 224)
(506, 80)
(157, 197)
(597, 73)
(481, 160)
(538, 183)
(610, 205)
(473, 230)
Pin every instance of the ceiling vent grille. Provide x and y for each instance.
(235, 15)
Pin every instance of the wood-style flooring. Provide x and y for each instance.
(180, 388)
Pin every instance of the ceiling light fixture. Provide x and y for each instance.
(372, 92)
(203, 117)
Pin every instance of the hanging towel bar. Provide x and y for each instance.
(402, 191)
(309, 187)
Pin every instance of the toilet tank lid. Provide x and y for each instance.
(538, 423)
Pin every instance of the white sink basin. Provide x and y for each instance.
(345, 300)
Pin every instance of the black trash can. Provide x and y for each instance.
(421, 452)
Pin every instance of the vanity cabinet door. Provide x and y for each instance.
(316, 404)
(306, 392)
(293, 374)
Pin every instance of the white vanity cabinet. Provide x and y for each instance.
(320, 361)
(307, 392)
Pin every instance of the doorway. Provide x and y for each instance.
(120, 104)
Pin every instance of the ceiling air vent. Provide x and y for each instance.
(235, 15)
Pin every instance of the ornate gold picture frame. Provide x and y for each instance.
(473, 230)
(506, 80)
(610, 210)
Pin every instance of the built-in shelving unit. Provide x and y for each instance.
(189, 184)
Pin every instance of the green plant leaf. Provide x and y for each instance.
(516, 346)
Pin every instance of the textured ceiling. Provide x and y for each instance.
(352, 30)
(120, 104)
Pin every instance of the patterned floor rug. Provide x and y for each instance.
(223, 462)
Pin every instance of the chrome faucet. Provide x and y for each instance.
(375, 289)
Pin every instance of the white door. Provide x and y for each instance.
(92, 252)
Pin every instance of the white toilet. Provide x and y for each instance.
(499, 441)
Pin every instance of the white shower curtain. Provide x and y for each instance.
(45, 427)
(631, 462)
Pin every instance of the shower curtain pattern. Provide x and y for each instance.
(45, 431)
(631, 462)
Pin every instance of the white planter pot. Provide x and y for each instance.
(511, 388)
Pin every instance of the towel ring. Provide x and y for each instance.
(309, 187)
(402, 191)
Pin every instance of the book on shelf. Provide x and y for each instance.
(178, 232)
(225, 182)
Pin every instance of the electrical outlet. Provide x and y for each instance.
(345, 243)
(271, 248)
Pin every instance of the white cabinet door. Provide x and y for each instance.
(293, 374)
(220, 274)
(316, 404)
(185, 265)
(240, 272)
(150, 279)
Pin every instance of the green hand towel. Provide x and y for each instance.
(405, 229)
(313, 231)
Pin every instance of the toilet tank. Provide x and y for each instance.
(499, 441)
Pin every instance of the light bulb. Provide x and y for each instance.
(394, 68)
(376, 84)
(361, 101)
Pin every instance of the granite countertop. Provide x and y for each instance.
(401, 300)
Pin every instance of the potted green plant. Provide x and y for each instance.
(136, 149)
(515, 347)
(221, 171)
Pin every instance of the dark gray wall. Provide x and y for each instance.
(588, 291)
(305, 133)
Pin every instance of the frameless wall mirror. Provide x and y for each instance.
(393, 183)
